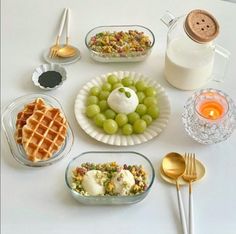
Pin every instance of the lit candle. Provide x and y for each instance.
(209, 116)
(211, 105)
(211, 110)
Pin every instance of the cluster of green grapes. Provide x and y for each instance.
(135, 122)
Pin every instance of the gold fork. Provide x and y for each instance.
(54, 49)
(190, 175)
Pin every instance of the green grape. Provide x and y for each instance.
(94, 91)
(103, 95)
(141, 109)
(132, 117)
(110, 114)
(153, 111)
(92, 110)
(140, 85)
(150, 92)
(127, 129)
(121, 119)
(149, 101)
(139, 126)
(147, 119)
(103, 105)
(117, 85)
(110, 126)
(92, 100)
(132, 87)
(112, 79)
(127, 81)
(99, 119)
(140, 96)
(106, 87)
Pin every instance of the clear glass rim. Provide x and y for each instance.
(218, 92)
(124, 26)
(109, 197)
(128, 55)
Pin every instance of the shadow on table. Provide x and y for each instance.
(7, 157)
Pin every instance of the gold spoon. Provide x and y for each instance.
(173, 165)
(55, 48)
(67, 51)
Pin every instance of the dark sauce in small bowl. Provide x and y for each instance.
(50, 79)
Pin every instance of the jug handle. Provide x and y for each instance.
(168, 19)
(221, 63)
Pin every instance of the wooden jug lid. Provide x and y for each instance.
(201, 26)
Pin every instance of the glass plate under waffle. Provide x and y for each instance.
(9, 125)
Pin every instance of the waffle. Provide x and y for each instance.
(44, 133)
(22, 116)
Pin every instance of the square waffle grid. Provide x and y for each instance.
(23, 115)
(45, 132)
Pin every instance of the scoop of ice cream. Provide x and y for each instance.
(123, 182)
(123, 100)
(93, 182)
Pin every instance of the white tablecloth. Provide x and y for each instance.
(36, 200)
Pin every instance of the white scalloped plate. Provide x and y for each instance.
(153, 130)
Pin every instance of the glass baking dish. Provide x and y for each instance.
(121, 158)
(130, 56)
(9, 125)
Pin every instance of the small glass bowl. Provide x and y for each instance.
(9, 125)
(205, 130)
(116, 57)
(121, 158)
(48, 67)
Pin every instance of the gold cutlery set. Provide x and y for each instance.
(174, 168)
(63, 50)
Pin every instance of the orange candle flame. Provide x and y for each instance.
(211, 110)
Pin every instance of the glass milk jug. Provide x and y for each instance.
(191, 52)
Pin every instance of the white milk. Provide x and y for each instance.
(188, 65)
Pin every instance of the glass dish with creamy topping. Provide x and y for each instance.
(109, 177)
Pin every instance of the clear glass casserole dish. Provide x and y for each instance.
(121, 158)
(9, 125)
(134, 44)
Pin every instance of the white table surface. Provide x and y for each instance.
(36, 200)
